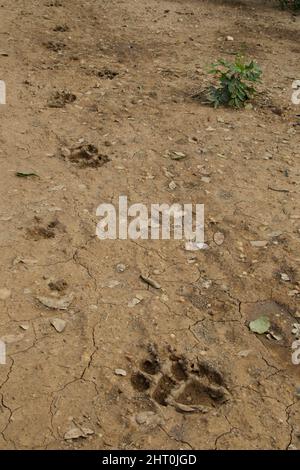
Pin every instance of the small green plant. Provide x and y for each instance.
(290, 4)
(236, 82)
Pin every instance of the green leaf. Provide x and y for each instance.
(261, 325)
(235, 79)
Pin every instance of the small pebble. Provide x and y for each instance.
(258, 243)
(121, 268)
(219, 238)
(58, 324)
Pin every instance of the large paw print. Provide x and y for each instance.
(188, 386)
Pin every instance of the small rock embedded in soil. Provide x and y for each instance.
(296, 330)
(176, 155)
(65, 152)
(55, 303)
(258, 243)
(58, 324)
(205, 179)
(135, 301)
(194, 246)
(27, 261)
(244, 353)
(121, 268)
(76, 433)
(112, 284)
(273, 335)
(207, 283)
(121, 372)
(219, 238)
(183, 408)
(148, 419)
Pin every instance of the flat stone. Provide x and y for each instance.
(258, 243)
(58, 324)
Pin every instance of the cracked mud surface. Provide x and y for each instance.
(196, 377)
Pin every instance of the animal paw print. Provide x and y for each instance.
(39, 231)
(188, 386)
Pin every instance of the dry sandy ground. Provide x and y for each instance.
(196, 376)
